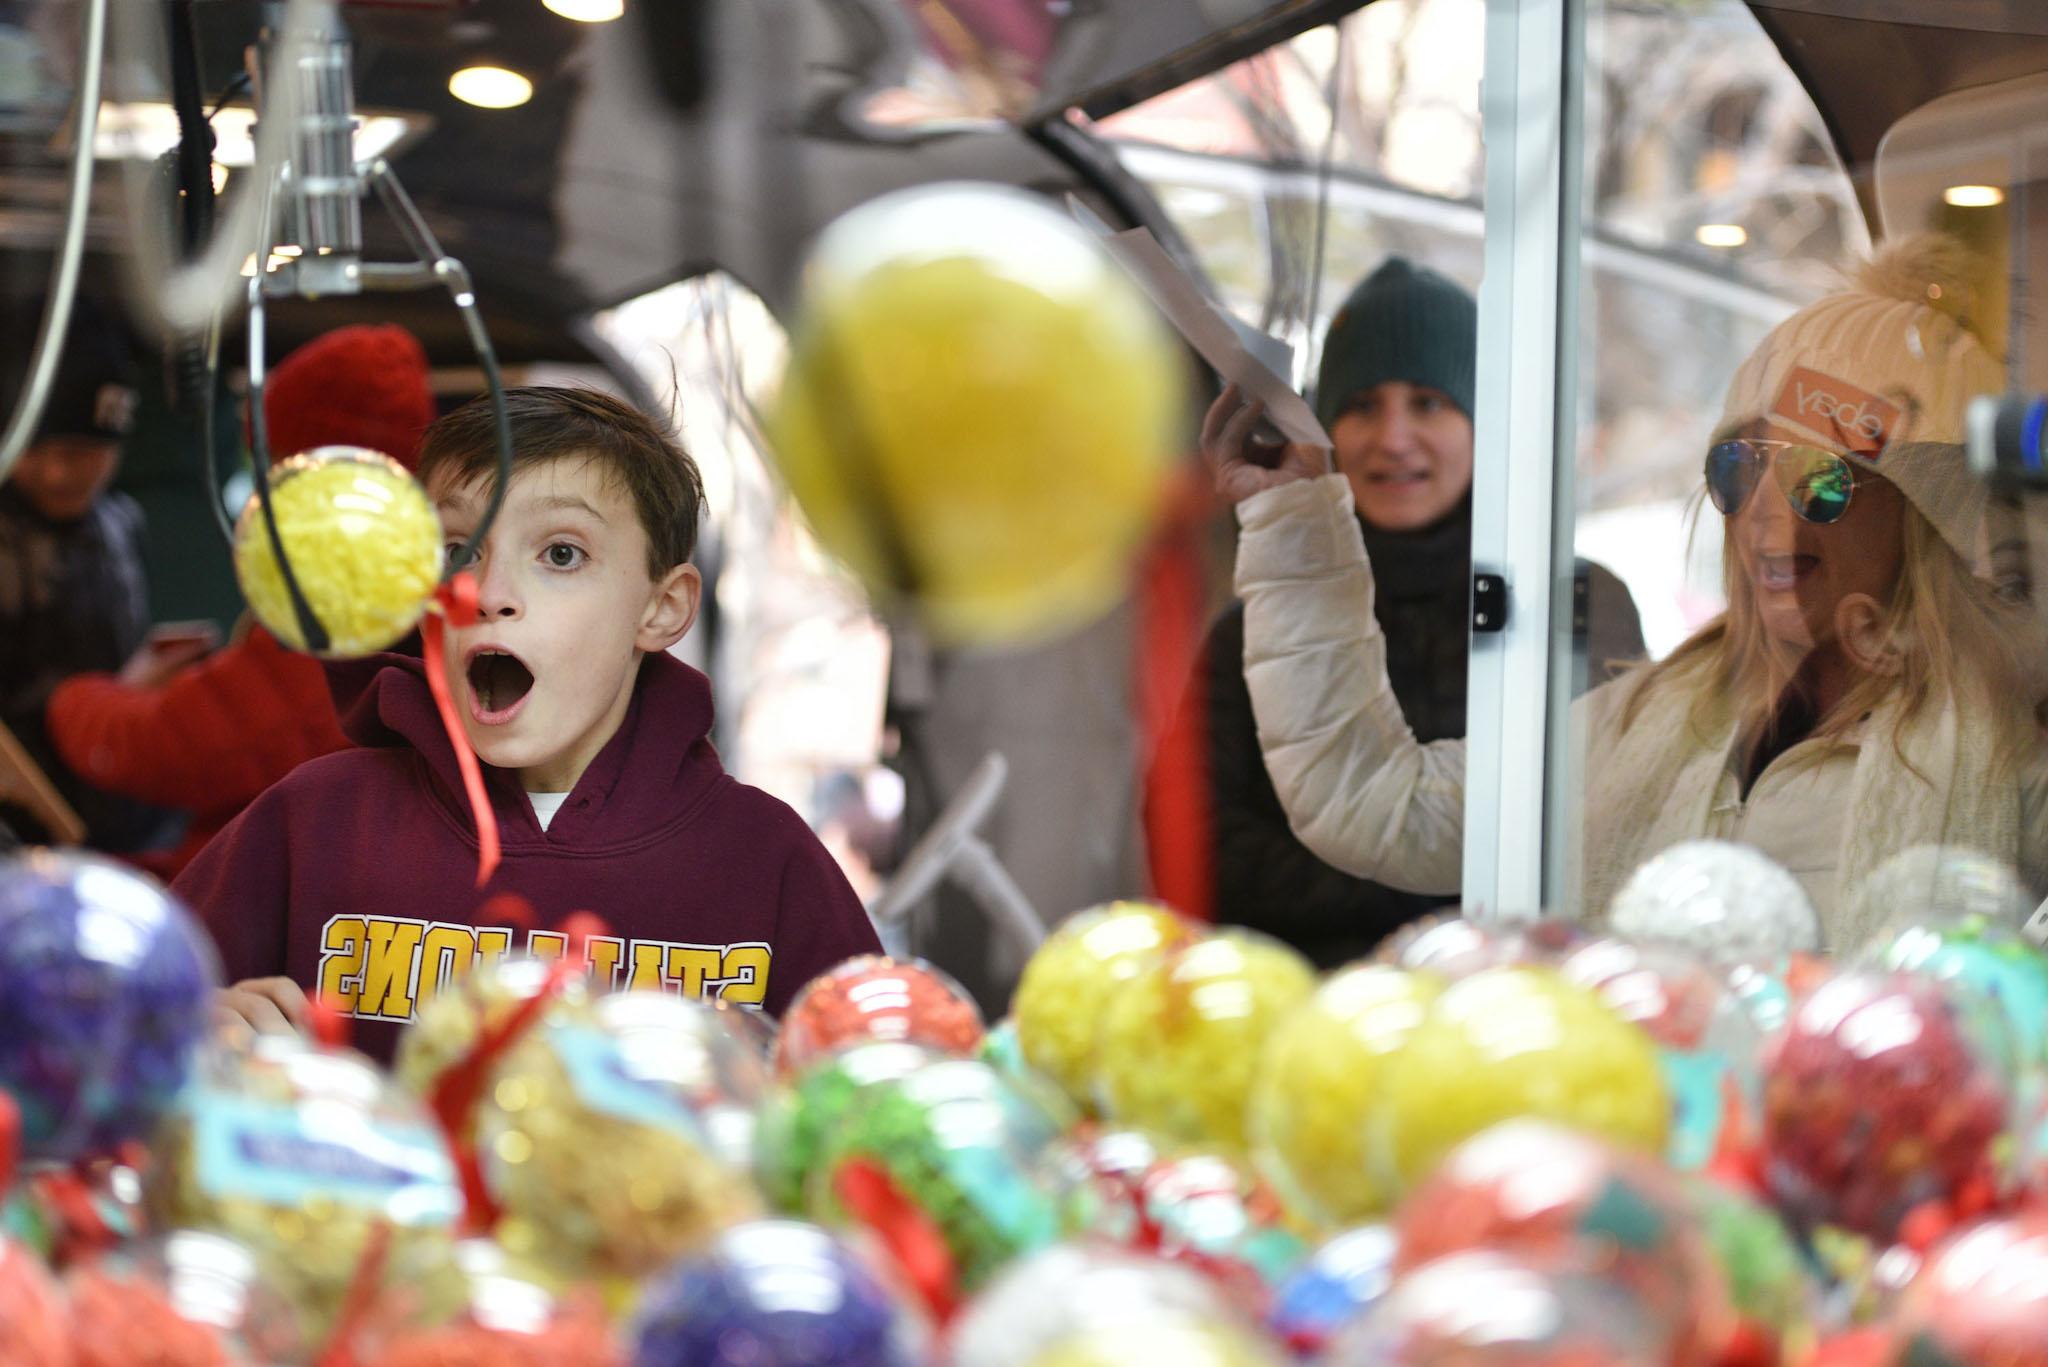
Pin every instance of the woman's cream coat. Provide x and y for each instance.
(1368, 798)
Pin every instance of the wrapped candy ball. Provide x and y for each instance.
(186, 1300)
(1768, 1279)
(1197, 1209)
(1186, 1342)
(1491, 1309)
(968, 356)
(33, 1327)
(1727, 903)
(956, 1143)
(1983, 956)
(1452, 945)
(1338, 1283)
(363, 542)
(1514, 1042)
(1935, 884)
(591, 1149)
(316, 1165)
(1982, 1298)
(1073, 977)
(774, 1293)
(106, 990)
(1706, 1040)
(1563, 1199)
(875, 997)
(1883, 1092)
(1180, 1045)
(503, 1317)
(693, 1051)
(1082, 1305)
(1319, 1085)
(797, 1121)
(448, 1025)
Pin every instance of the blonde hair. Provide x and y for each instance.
(1953, 643)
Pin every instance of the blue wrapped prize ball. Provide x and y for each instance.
(106, 987)
(1339, 1282)
(773, 1293)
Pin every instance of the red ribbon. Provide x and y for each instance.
(911, 1237)
(10, 1140)
(456, 602)
(456, 1092)
(360, 1298)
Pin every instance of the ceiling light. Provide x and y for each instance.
(587, 11)
(1973, 196)
(144, 130)
(490, 87)
(1721, 234)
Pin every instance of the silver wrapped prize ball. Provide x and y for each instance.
(1727, 903)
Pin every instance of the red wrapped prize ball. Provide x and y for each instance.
(1883, 1093)
(1562, 1199)
(877, 998)
(1981, 1300)
(32, 1326)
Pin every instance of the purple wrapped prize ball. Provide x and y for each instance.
(106, 988)
(773, 1293)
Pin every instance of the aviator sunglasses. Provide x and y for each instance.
(1816, 482)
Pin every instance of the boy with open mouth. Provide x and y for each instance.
(354, 876)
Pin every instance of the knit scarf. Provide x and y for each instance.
(1652, 785)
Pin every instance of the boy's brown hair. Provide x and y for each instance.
(551, 423)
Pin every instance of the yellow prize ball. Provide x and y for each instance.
(1073, 977)
(1320, 1085)
(980, 410)
(363, 542)
(1513, 1042)
(1181, 1042)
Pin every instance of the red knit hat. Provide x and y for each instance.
(355, 386)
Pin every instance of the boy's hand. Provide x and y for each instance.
(1244, 467)
(269, 1006)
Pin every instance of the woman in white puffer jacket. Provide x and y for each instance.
(1864, 691)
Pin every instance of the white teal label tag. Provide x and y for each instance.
(287, 1154)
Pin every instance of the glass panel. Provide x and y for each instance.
(1844, 661)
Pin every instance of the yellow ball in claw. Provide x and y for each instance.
(363, 542)
(980, 412)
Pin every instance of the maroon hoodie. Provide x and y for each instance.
(356, 875)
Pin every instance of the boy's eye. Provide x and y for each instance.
(459, 556)
(563, 556)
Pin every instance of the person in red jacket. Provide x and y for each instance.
(208, 737)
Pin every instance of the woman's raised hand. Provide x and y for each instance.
(1244, 466)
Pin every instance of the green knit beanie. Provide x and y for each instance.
(1403, 322)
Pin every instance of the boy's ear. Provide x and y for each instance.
(671, 608)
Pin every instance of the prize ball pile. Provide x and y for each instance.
(1497, 1143)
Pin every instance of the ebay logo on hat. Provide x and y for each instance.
(1854, 418)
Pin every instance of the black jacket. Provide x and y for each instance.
(1267, 879)
(72, 600)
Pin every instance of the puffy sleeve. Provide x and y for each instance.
(1358, 788)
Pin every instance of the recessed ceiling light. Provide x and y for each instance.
(490, 87)
(1721, 234)
(1973, 196)
(587, 11)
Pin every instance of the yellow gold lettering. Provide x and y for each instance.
(445, 956)
(388, 969)
(647, 957)
(341, 962)
(604, 959)
(690, 965)
(745, 971)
